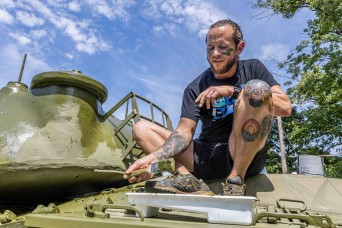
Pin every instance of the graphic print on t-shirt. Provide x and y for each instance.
(222, 107)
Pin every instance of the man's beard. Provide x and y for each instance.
(223, 69)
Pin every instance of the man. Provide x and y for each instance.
(236, 101)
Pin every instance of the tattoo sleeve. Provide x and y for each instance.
(174, 145)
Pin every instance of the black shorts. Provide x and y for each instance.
(213, 161)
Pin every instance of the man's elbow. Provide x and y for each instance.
(287, 110)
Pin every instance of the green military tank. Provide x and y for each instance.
(62, 159)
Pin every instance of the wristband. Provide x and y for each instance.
(237, 90)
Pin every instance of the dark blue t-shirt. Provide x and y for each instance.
(218, 130)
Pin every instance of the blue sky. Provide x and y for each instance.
(153, 47)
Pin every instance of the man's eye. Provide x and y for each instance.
(223, 47)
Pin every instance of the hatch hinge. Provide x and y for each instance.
(50, 209)
(98, 208)
(295, 214)
(7, 216)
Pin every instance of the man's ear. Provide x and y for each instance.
(240, 47)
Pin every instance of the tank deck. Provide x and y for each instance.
(301, 199)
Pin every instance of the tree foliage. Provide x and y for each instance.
(316, 63)
(333, 165)
(273, 163)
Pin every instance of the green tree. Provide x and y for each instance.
(333, 167)
(273, 163)
(316, 64)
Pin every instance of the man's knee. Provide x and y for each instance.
(140, 129)
(257, 92)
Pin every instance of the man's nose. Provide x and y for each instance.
(216, 52)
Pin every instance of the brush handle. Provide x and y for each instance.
(137, 173)
(108, 171)
(157, 167)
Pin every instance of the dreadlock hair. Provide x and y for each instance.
(237, 36)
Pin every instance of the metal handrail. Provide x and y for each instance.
(132, 114)
(132, 98)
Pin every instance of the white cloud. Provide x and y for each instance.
(150, 9)
(12, 56)
(200, 15)
(69, 55)
(29, 19)
(111, 9)
(55, 3)
(273, 51)
(195, 15)
(39, 33)
(74, 6)
(71, 28)
(5, 17)
(7, 3)
(91, 44)
(85, 38)
(22, 39)
(171, 7)
(59, 13)
(158, 29)
(168, 27)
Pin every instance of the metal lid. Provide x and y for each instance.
(17, 86)
(73, 78)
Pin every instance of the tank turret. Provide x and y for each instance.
(55, 137)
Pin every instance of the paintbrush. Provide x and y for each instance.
(167, 165)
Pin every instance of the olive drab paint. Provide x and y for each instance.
(55, 127)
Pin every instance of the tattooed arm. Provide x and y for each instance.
(174, 145)
(178, 141)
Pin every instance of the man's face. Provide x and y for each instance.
(222, 51)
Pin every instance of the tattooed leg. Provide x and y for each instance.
(250, 130)
(149, 136)
(252, 122)
(258, 92)
(266, 125)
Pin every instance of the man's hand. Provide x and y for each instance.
(141, 163)
(210, 95)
